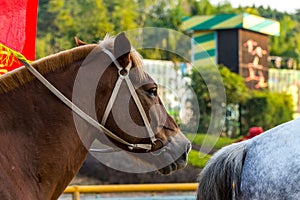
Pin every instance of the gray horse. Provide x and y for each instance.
(266, 167)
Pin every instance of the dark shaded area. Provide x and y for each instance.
(228, 49)
(96, 172)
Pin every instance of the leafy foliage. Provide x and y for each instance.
(236, 91)
(259, 108)
(267, 110)
(59, 21)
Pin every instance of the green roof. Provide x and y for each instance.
(232, 21)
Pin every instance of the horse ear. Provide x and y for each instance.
(122, 45)
(79, 42)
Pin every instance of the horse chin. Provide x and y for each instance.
(177, 149)
(168, 169)
(178, 164)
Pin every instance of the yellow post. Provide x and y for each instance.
(76, 193)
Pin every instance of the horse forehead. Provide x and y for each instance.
(140, 78)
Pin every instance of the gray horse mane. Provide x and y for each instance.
(221, 178)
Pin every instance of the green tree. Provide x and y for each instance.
(202, 7)
(163, 13)
(59, 21)
(297, 15)
(226, 7)
(284, 45)
(235, 88)
(87, 19)
(287, 44)
(93, 20)
(123, 14)
(45, 22)
(267, 110)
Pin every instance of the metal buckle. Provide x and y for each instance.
(123, 76)
(159, 151)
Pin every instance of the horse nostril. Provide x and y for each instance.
(189, 147)
(184, 156)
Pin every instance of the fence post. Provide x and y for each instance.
(76, 193)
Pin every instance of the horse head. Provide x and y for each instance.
(128, 105)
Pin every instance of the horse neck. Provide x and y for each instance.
(38, 129)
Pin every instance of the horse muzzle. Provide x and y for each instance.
(176, 153)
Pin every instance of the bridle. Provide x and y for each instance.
(124, 75)
(93, 122)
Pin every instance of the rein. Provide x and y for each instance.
(93, 122)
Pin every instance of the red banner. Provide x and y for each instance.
(18, 22)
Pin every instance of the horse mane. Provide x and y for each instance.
(21, 75)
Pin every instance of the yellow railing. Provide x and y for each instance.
(75, 190)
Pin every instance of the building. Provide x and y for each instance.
(170, 79)
(238, 41)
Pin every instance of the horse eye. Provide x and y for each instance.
(152, 92)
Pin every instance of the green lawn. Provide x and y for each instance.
(199, 159)
(210, 140)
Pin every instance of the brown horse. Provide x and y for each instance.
(42, 146)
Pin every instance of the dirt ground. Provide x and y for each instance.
(94, 172)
